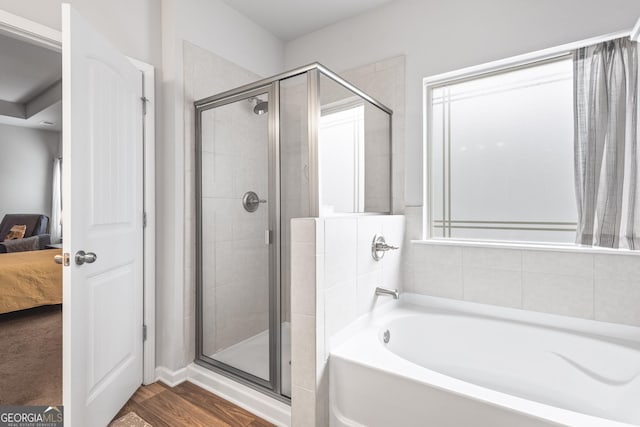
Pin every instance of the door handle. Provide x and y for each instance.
(62, 259)
(85, 257)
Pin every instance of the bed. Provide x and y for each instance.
(29, 279)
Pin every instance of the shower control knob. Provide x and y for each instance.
(251, 201)
(379, 246)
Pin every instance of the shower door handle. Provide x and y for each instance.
(267, 237)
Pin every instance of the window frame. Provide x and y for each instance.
(483, 70)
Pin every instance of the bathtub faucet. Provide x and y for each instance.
(384, 291)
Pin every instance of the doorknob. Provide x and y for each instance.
(88, 257)
(62, 259)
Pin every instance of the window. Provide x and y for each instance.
(500, 154)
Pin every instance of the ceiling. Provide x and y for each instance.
(289, 19)
(30, 90)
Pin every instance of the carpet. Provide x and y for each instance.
(31, 357)
(130, 420)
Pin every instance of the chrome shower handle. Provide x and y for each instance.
(384, 247)
(379, 246)
(251, 201)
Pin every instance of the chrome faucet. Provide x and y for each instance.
(384, 291)
(379, 246)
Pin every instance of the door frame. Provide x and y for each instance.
(24, 29)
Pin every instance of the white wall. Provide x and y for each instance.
(445, 35)
(26, 167)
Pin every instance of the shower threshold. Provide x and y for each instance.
(248, 356)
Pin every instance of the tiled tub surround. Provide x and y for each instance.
(594, 284)
(333, 281)
(589, 285)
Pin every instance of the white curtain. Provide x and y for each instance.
(606, 144)
(56, 202)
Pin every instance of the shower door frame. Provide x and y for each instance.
(271, 85)
(273, 384)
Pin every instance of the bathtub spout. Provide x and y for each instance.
(383, 291)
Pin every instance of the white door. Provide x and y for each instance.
(102, 214)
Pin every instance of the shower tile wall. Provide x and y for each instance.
(205, 74)
(236, 259)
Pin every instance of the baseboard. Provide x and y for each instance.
(257, 403)
(169, 377)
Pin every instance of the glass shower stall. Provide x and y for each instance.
(305, 143)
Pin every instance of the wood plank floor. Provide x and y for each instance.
(187, 405)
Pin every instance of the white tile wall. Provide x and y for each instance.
(367, 227)
(303, 407)
(558, 263)
(340, 307)
(307, 318)
(617, 289)
(558, 294)
(588, 285)
(492, 286)
(340, 250)
(340, 277)
(354, 292)
(303, 328)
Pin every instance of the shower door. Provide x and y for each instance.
(237, 235)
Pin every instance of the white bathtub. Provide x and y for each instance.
(461, 364)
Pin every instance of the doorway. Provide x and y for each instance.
(101, 150)
(30, 223)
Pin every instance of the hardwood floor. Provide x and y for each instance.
(187, 405)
